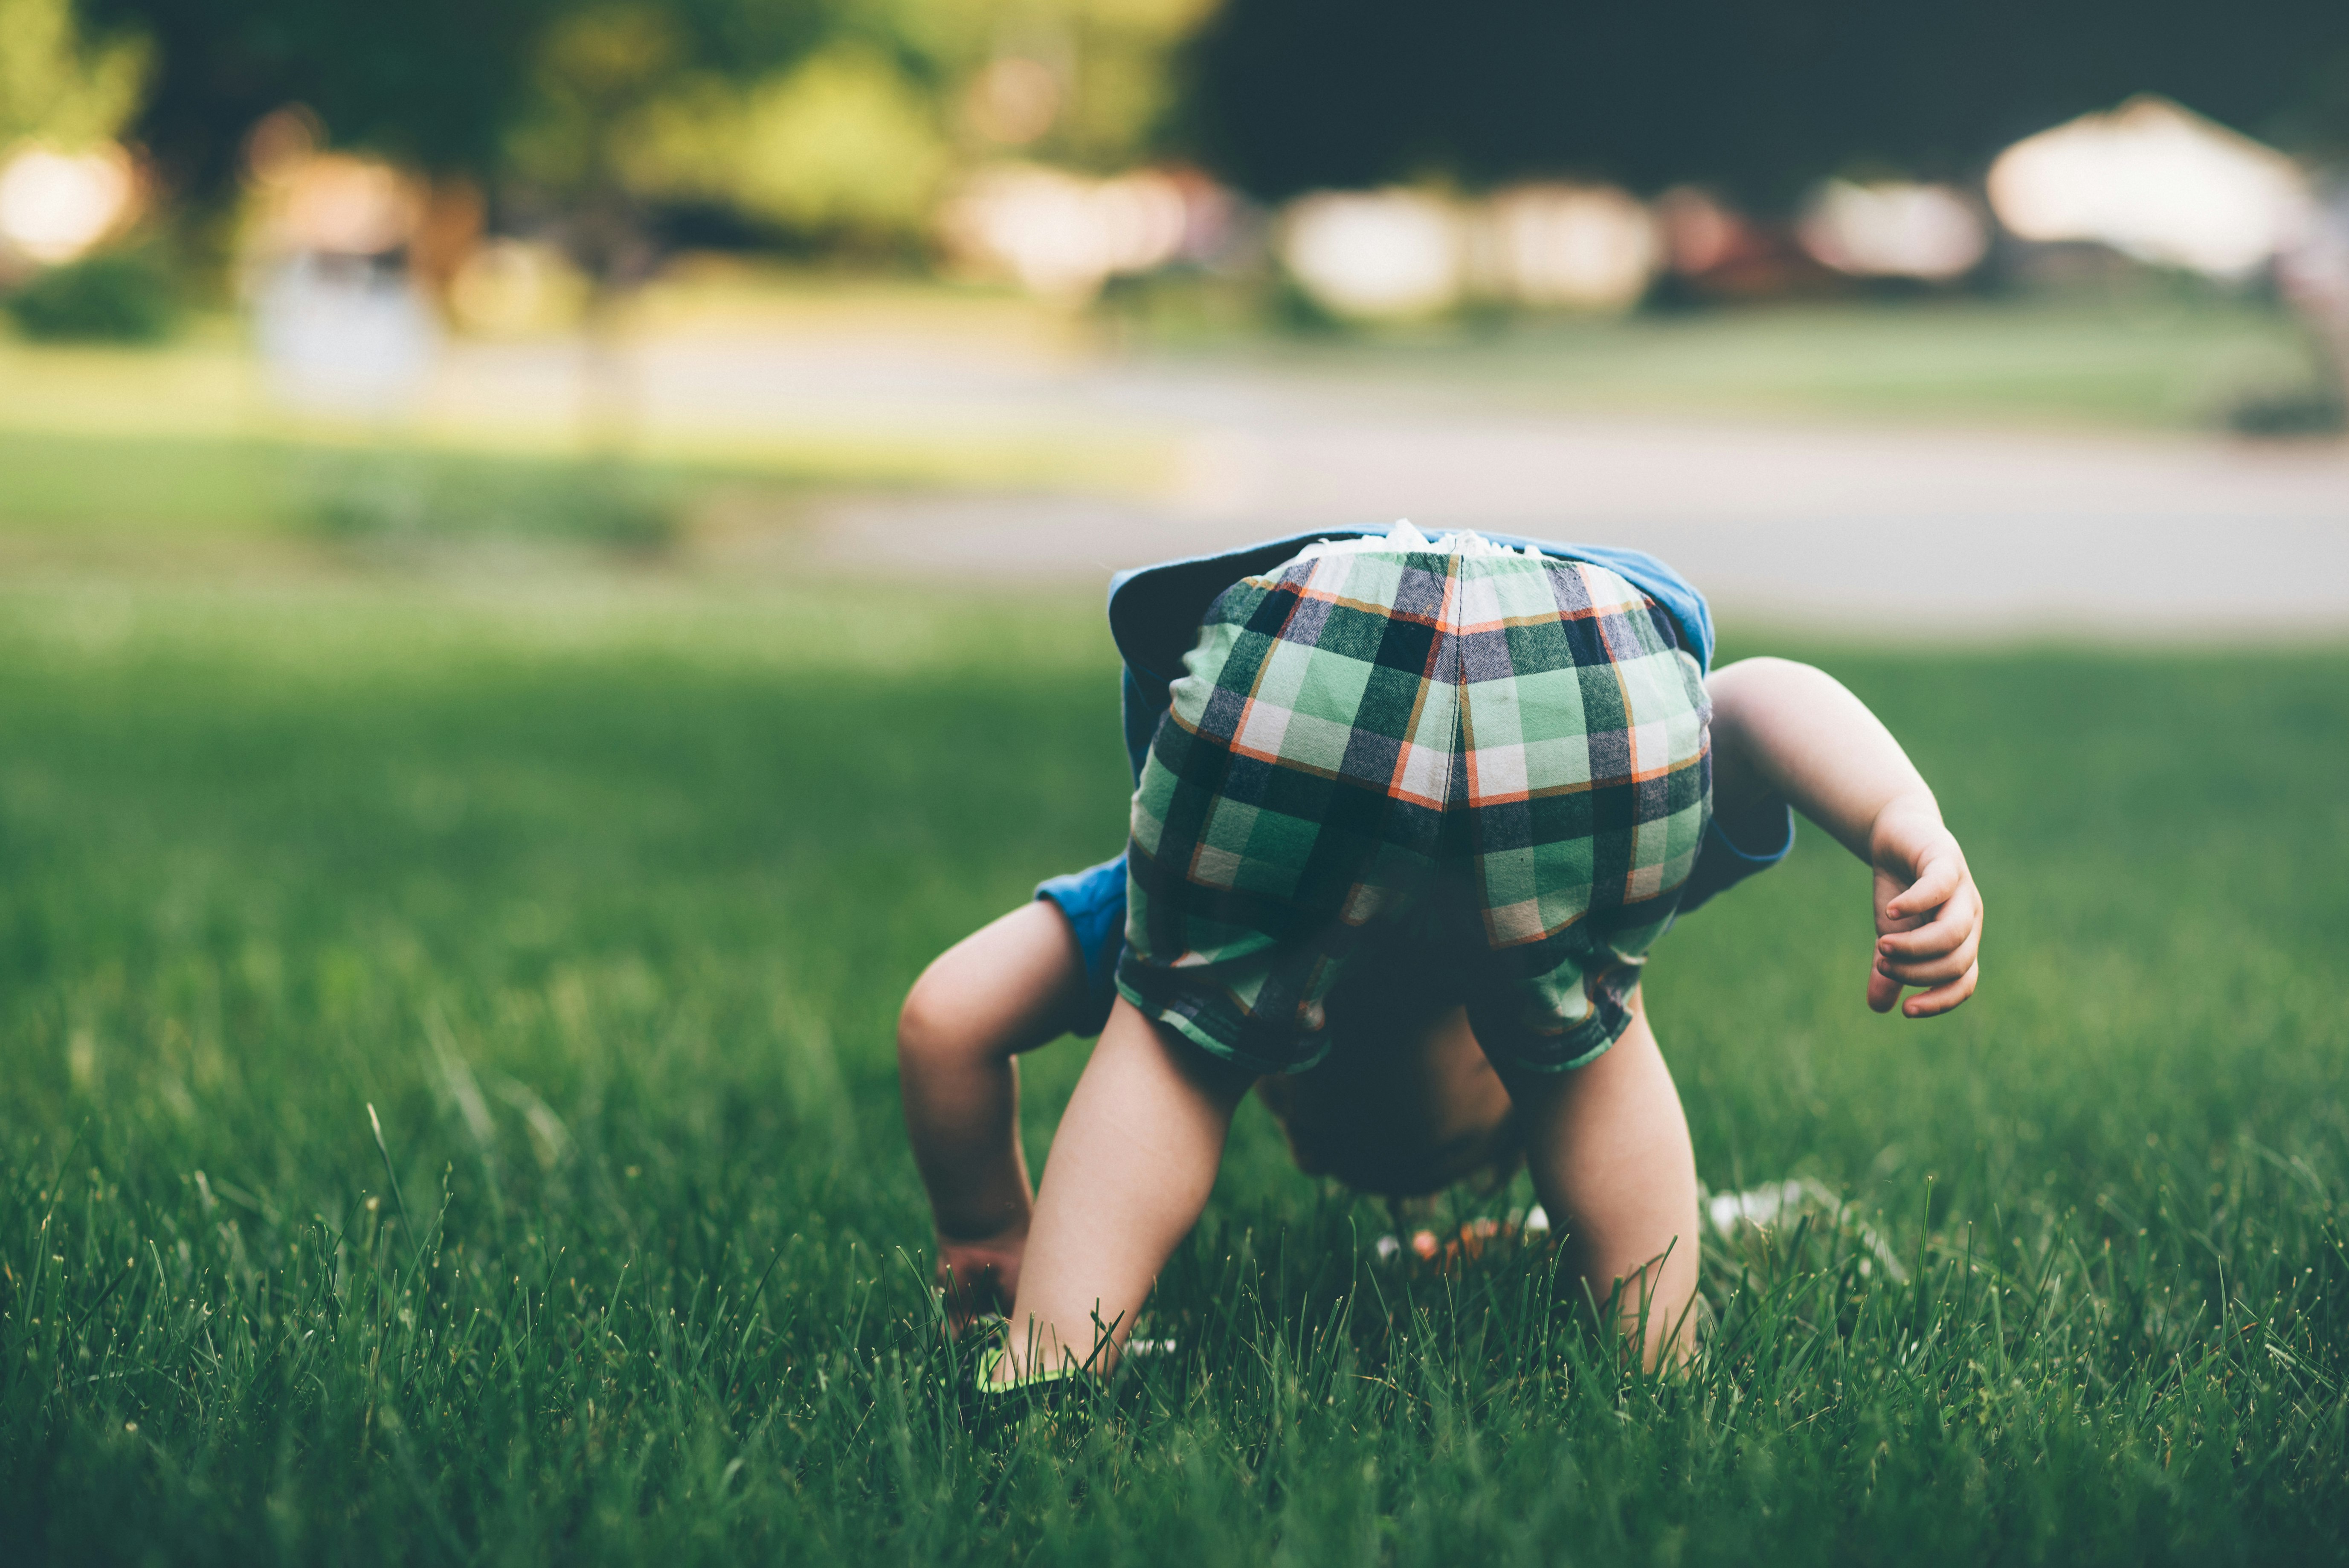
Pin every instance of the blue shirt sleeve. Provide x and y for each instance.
(1721, 865)
(1093, 900)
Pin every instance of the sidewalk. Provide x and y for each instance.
(1869, 526)
(1950, 532)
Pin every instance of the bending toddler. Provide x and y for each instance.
(1410, 815)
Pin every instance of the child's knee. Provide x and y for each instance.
(935, 1023)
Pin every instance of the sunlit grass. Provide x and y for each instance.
(187, 440)
(75, 495)
(603, 899)
(2145, 360)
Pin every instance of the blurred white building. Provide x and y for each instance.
(1394, 254)
(1893, 229)
(1372, 253)
(1583, 247)
(2158, 182)
(1063, 235)
(1398, 253)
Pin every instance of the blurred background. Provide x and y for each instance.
(551, 558)
(1969, 317)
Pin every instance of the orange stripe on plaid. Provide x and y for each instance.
(1549, 791)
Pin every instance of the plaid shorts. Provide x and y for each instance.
(1502, 758)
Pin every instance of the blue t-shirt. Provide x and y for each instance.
(1155, 614)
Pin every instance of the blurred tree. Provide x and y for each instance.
(841, 116)
(1761, 100)
(847, 125)
(835, 119)
(433, 81)
(595, 72)
(519, 87)
(844, 144)
(856, 138)
(113, 297)
(1110, 68)
(56, 87)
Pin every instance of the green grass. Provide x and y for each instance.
(603, 899)
(2147, 359)
(103, 448)
(68, 493)
(79, 497)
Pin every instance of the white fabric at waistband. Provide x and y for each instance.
(1403, 538)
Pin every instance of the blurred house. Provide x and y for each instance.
(1893, 230)
(1063, 235)
(1375, 254)
(2157, 182)
(1580, 247)
(1399, 252)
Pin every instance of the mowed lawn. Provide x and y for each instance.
(603, 898)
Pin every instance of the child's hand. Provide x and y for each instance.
(1928, 913)
(980, 1277)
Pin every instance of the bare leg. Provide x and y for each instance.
(1011, 986)
(1608, 1148)
(1130, 1168)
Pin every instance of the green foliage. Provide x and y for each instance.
(843, 144)
(855, 134)
(58, 88)
(593, 70)
(111, 296)
(604, 905)
(437, 81)
(832, 119)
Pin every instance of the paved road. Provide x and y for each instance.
(1939, 531)
(1942, 532)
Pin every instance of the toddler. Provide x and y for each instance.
(1408, 815)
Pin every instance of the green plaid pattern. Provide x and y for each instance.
(1362, 736)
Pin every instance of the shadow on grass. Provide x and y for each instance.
(393, 501)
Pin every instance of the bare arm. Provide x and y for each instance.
(1786, 734)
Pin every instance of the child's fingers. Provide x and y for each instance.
(1932, 968)
(1960, 917)
(1939, 877)
(1883, 991)
(1942, 998)
(1929, 933)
